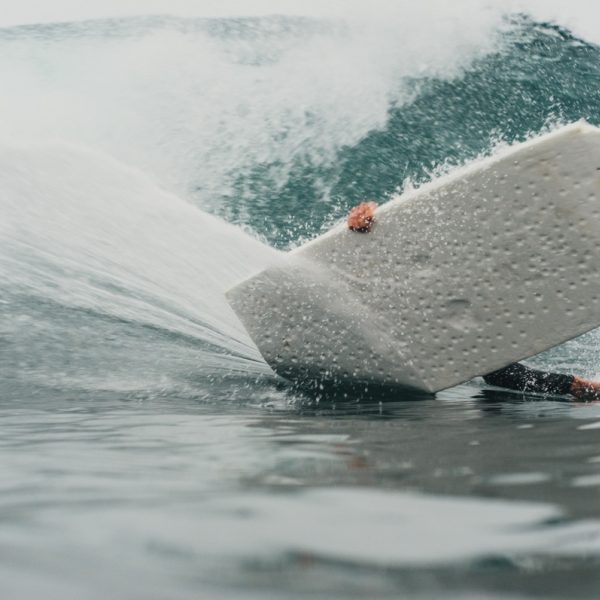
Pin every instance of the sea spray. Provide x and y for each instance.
(93, 253)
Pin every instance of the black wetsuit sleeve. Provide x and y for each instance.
(522, 378)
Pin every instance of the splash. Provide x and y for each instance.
(92, 249)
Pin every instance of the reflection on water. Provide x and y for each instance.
(472, 490)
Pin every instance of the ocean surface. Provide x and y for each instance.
(149, 163)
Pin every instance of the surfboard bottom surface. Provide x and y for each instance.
(489, 265)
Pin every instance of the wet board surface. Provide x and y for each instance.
(491, 264)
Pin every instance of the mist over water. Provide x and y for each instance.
(147, 164)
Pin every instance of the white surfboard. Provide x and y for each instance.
(491, 264)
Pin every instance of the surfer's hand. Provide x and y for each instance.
(361, 217)
(584, 389)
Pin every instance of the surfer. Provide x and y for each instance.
(516, 376)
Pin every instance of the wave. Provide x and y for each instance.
(281, 123)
